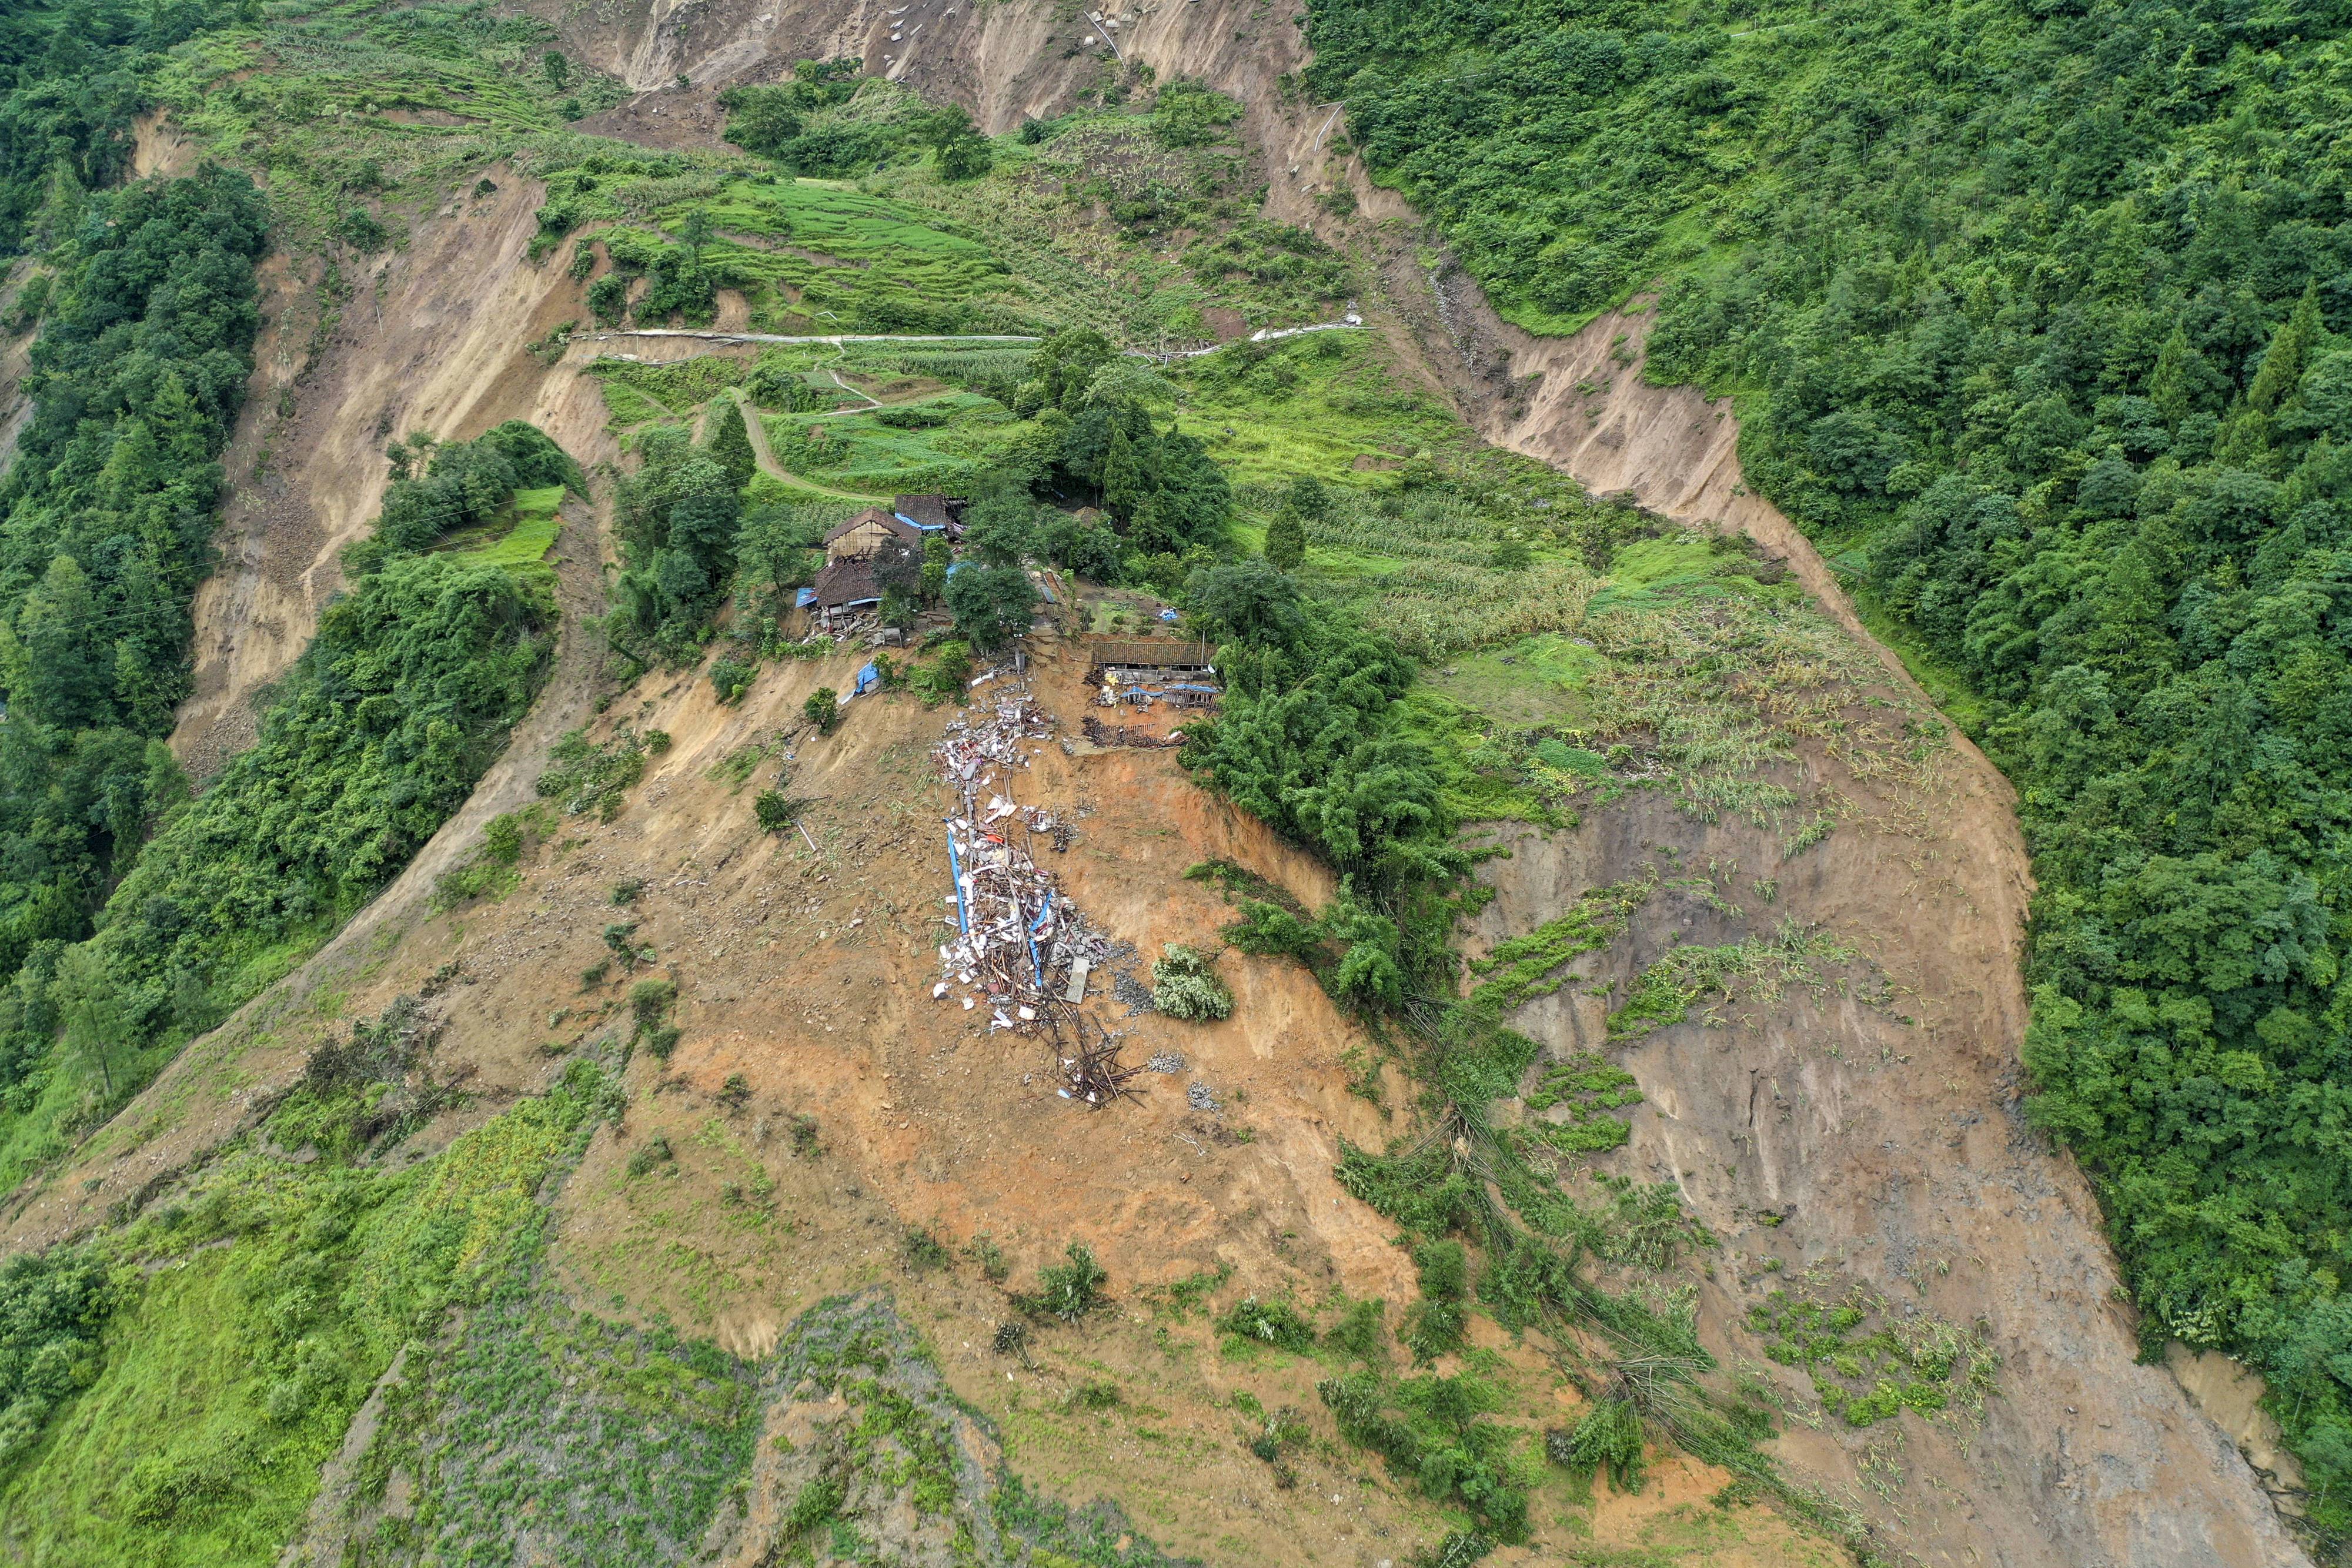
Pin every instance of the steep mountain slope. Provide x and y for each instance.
(1840, 1116)
(430, 338)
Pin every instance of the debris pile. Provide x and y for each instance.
(1135, 734)
(1017, 946)
(1096, 1074)
(1134, 993)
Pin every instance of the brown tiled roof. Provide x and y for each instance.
(1145, 652)
(889, 520)
(846, 582)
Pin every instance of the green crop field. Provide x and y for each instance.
(534, 525)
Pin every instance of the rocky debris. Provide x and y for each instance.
(1134, 993)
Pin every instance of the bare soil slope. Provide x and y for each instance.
(428, 338)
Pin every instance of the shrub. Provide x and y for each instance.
(773, 810)
(924, 1252)
(1435, 1324)
(984, 1251)
(608, 300)
(943, 679)
(1183, 986)
(1609, 1437)
(650, 1001)
(1095, 1394)
(52, 1308)
(1358, 1334)
(730, 678)
(823, 709)
(1276, 1324)
(653, 1150)
(1071, 1290)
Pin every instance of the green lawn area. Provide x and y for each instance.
(1536, 680)
(881, 242)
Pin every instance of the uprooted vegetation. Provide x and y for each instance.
(2107, 526)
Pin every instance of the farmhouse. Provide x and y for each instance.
(869, 534)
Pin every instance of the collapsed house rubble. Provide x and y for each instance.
(1151, 683)
(1139, 736)
(1017, 946)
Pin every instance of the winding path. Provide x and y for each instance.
(765, 457)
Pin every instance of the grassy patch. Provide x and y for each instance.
(272, 1295)
(530, 535)
(1867, 1362)
(1763, 968)
(1324, 403)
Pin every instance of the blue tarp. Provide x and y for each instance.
(868, 679)
(804, 598)
(1167, 615)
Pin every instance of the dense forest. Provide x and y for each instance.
(2034, 313)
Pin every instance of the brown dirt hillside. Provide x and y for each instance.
(804, 969)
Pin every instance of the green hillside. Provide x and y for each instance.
(2032, 311)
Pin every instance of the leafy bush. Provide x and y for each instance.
(731, 679)
(53, 1308)
(1185, 986)
(587, 776)
(1186, 113)
(823, 708)
(1277, 1324)
(1435, 1431)
(1609, 1437)
(1435, 1324)
(1069, 1290)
